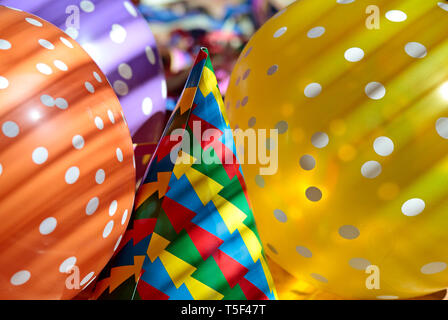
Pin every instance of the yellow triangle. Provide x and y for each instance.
(183, 163)
(200, 291)
(177, 269)
(156, 246)
(233, 217)
(269, 278)
(163, 180)
(251, 241)
(186, 99)
(146, 190)
(206, 189)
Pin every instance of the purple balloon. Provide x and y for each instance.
(118, 38)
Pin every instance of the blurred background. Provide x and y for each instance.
(181, 27)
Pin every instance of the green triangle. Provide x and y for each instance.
(233, 192)
(209, 274)
(184, 249)
(164, 227)
(149, 209)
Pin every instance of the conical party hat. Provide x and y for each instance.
(192, 234)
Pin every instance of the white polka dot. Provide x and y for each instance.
(47, 100)
(67, 265)
(46, 44)
(433, 267)
(147, 106)
(125, 71)
(117, 243)
(87, 6)
(315, 32)
(280, 215)
(312, 90)
(72, 32)
(415, 50)
(66, 42)
(371, 169)
(121, 88)
(20, 277)
(97, 77)
(86, 278)
(99, 123)
(304, 252)
(108, 229)
(60, 65)
(72, 175)
(130, 8)
(44, 68)
(4, 83)
(383, 146)
(354, 54)
(92, 206)
(345, 1)
(61, 103)
(78, 142)
(442, 127)
(89, 87)
(10, 129)
(118, 34)
(34, 22)
(125, 216)
(387, 297)
(348, 232)
(396, 16)
(413, 207)
(4, 44)
(375, 90)
(280, 32)
(88, 284)
(319, 277)
(110, 115)
(119, 154)
(320, 140)
(47, 226)
(164, 89)
(442, 5)
(113, 208)
(100, 176)
(150, 55)
(1, 169)
(359, 263)
(40, 155)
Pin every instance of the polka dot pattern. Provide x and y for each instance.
(50, 98)
(363, 143)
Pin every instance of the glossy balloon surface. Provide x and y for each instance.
(66, 162)
(363, 126)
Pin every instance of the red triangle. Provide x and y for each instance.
(178, 215)
(165, 147)
(204, 241)
(143, 228)
(148, 292)
(251, 291)
(232, 270)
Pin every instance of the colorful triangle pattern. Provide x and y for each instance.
(192, 234)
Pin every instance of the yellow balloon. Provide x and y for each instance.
(359, 95)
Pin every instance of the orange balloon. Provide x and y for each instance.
(66, 163)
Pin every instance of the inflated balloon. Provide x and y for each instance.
(117, 37)
(66, 162)
(360, 104)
